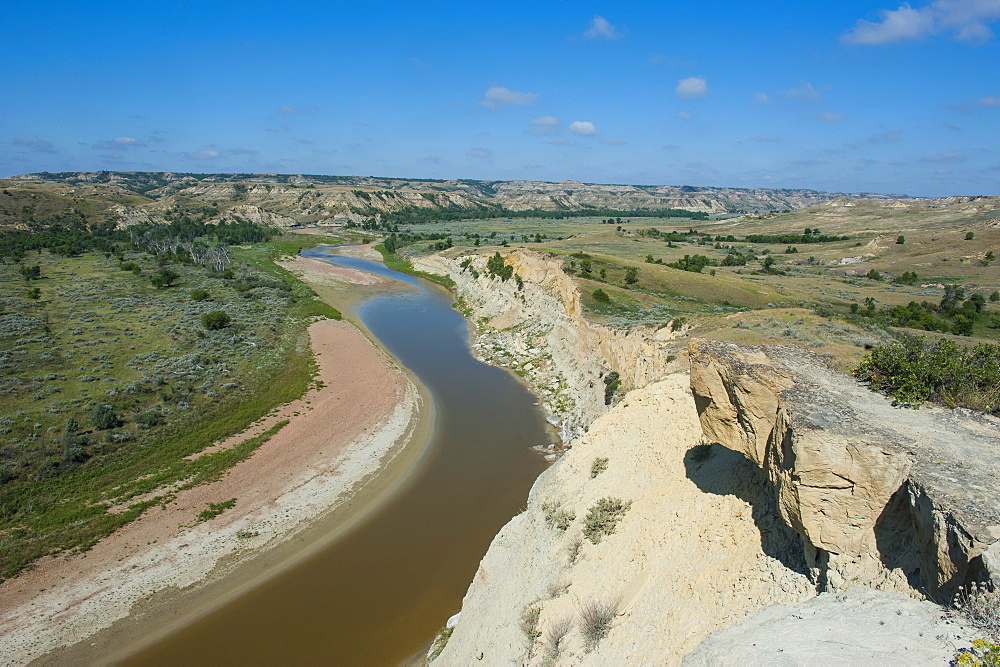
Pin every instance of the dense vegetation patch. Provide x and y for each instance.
(957, 312)
(915, 370)
(109, 381)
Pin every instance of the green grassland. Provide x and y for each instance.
(108, 383)
(805, 298)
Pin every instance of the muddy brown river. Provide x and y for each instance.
(377, 595)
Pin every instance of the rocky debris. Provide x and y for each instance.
(860, 626)
(882, 495)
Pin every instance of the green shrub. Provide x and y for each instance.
(914, 370)
(215, 320)
(496, 266)
(602, 519)
(612, 382)
(200, 295)
(215, 509)
(557, 517)
(103, 417)
(164, 278)
(150, 418)
(598, 466)
(600, 295)
(529, 621)
(900, 239)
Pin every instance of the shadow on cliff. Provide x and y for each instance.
(723, 472)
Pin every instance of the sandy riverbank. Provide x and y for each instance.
(325, 459)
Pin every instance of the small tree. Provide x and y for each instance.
(631, 275)
(969, 236)
(900, 239)
(874, 275)
(31, 272)
(164, 278)
(215, 320)
(103, 417)
(200, 295)
(601, 296)
(612, 381)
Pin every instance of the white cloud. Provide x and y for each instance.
(693, 86)
(287, 110)
(612, 142)
(481, 153)
(545, 125)
(764, 139)
(669, 147)
(804, 93)
(966, 20)
(583, 127)
(119, 144)
(128, 141)
(988, 101)
(945, 156)
(830, 117)
(684, 115)
(560, 142)
(206, 154)
(498, 96)
(545, 121)
(436, 159)
(601, 28)
(760, 99)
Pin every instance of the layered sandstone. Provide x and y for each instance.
(879, 493)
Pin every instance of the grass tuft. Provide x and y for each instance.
(595, 621)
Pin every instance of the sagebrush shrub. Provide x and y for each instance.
(603, 518)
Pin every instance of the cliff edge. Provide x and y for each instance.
(882, 495)
(700, 500)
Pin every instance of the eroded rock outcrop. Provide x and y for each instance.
(700, 547)
(814, 490)
(538, 329)
(882, 495)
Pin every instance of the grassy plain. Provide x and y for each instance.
(110, 384)
(807, 296)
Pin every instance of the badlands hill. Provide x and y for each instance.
(291, 200)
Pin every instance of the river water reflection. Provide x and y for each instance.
(379, 593)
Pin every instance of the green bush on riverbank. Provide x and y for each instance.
(401, 264)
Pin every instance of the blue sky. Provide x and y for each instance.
(849, 96)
